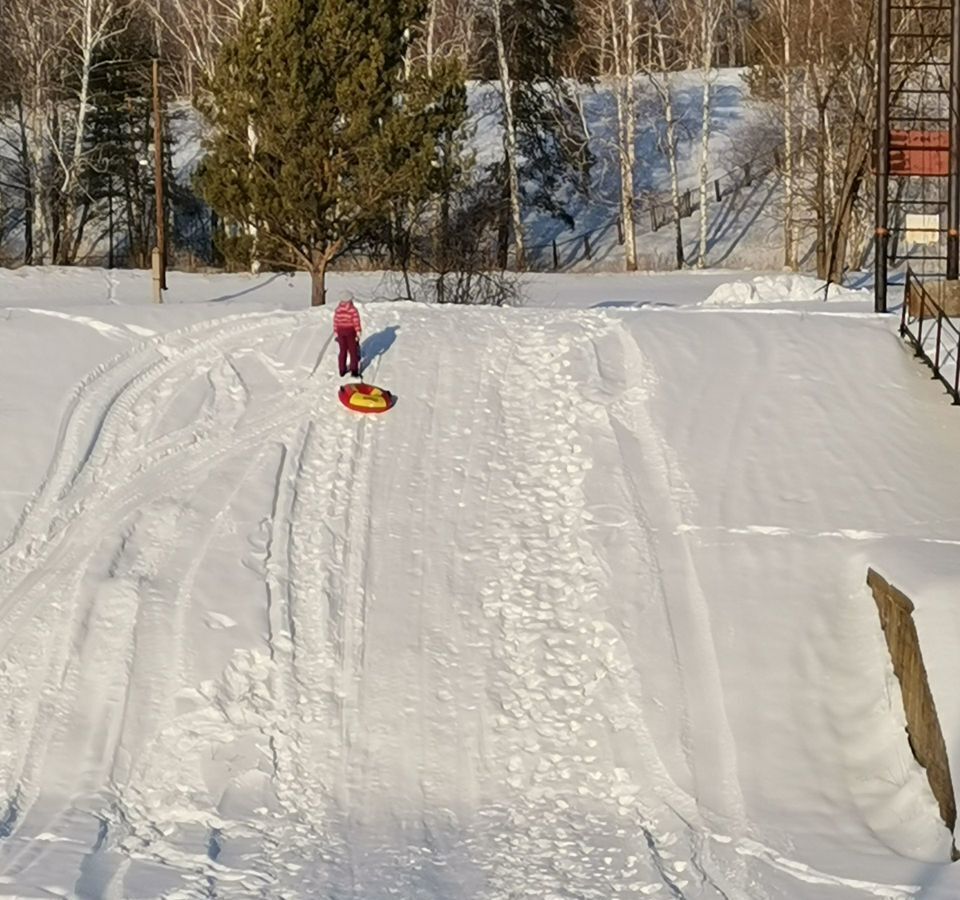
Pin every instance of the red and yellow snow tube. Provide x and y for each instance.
(366, 398)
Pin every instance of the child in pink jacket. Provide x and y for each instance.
(346, 327)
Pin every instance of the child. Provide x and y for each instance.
(346, 327)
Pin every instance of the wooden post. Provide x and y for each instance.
(654, 225)
(716, 189)
(157, 282)
(158, 174)
(556, 256)
(619, 230)
(924, 734)
(586, 246)
(882, 181)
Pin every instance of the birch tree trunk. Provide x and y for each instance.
(710, 13)
(28, 188)
(789, 242)
(86, 44)
(431, 35)
(37, 162)
(801, 171)
(38, 42)
(665, 93)
(831, 160)
(509, 137)
(704, 169)
(674, 173)
(94, 23)
(820, 193)
(252, 229)
(625, 68)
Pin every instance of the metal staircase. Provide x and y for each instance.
(918, 142)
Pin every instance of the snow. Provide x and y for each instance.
(745, 229)
(584, 616)
(793, 289)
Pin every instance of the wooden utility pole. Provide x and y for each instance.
(158, 174)
(881, 231)
(953, 184)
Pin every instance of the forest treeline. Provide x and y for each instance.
(332, 127)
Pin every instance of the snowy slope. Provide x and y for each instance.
(583, 616)
(744, 229)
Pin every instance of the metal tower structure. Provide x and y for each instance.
(918, 142)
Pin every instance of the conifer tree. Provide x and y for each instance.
(545, 149)
(318, 131)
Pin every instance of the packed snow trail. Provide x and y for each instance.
(256, 645)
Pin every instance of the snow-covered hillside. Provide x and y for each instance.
(745, 228)
(583, 616)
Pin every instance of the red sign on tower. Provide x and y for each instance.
(924, 153)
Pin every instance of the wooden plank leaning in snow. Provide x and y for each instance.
(923, 725)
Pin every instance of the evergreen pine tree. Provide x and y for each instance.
(316, 131)
(550, 134)
(120, 127)
(550, 144)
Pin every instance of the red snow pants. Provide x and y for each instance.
(349, 347)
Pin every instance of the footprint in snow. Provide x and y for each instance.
(218, 621)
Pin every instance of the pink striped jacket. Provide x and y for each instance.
(346, 318)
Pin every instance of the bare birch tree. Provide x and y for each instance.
(621, 37)
(709, 13)
(34, 40)
(510, 142)
(658, 71)
(784, 9)
(92, 24)
(198, 28)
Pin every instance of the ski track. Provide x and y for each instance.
(441, 702)
(124, 485)
(411, 765)
(157, 673)
(715, 812)
(92, 428)
(262, 697)
(128, 475)
(661, 486)
(302, 690)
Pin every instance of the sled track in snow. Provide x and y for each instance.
(90, 429)
(323, 604)
(688, 618)
(119, 488)
(126, 660)
(652, 476)
(311, 597)
(44, 581)
(130, 820)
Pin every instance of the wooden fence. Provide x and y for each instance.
(923, 726)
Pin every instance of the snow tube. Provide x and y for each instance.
(366, 398)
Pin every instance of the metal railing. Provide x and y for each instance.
(942, 334)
